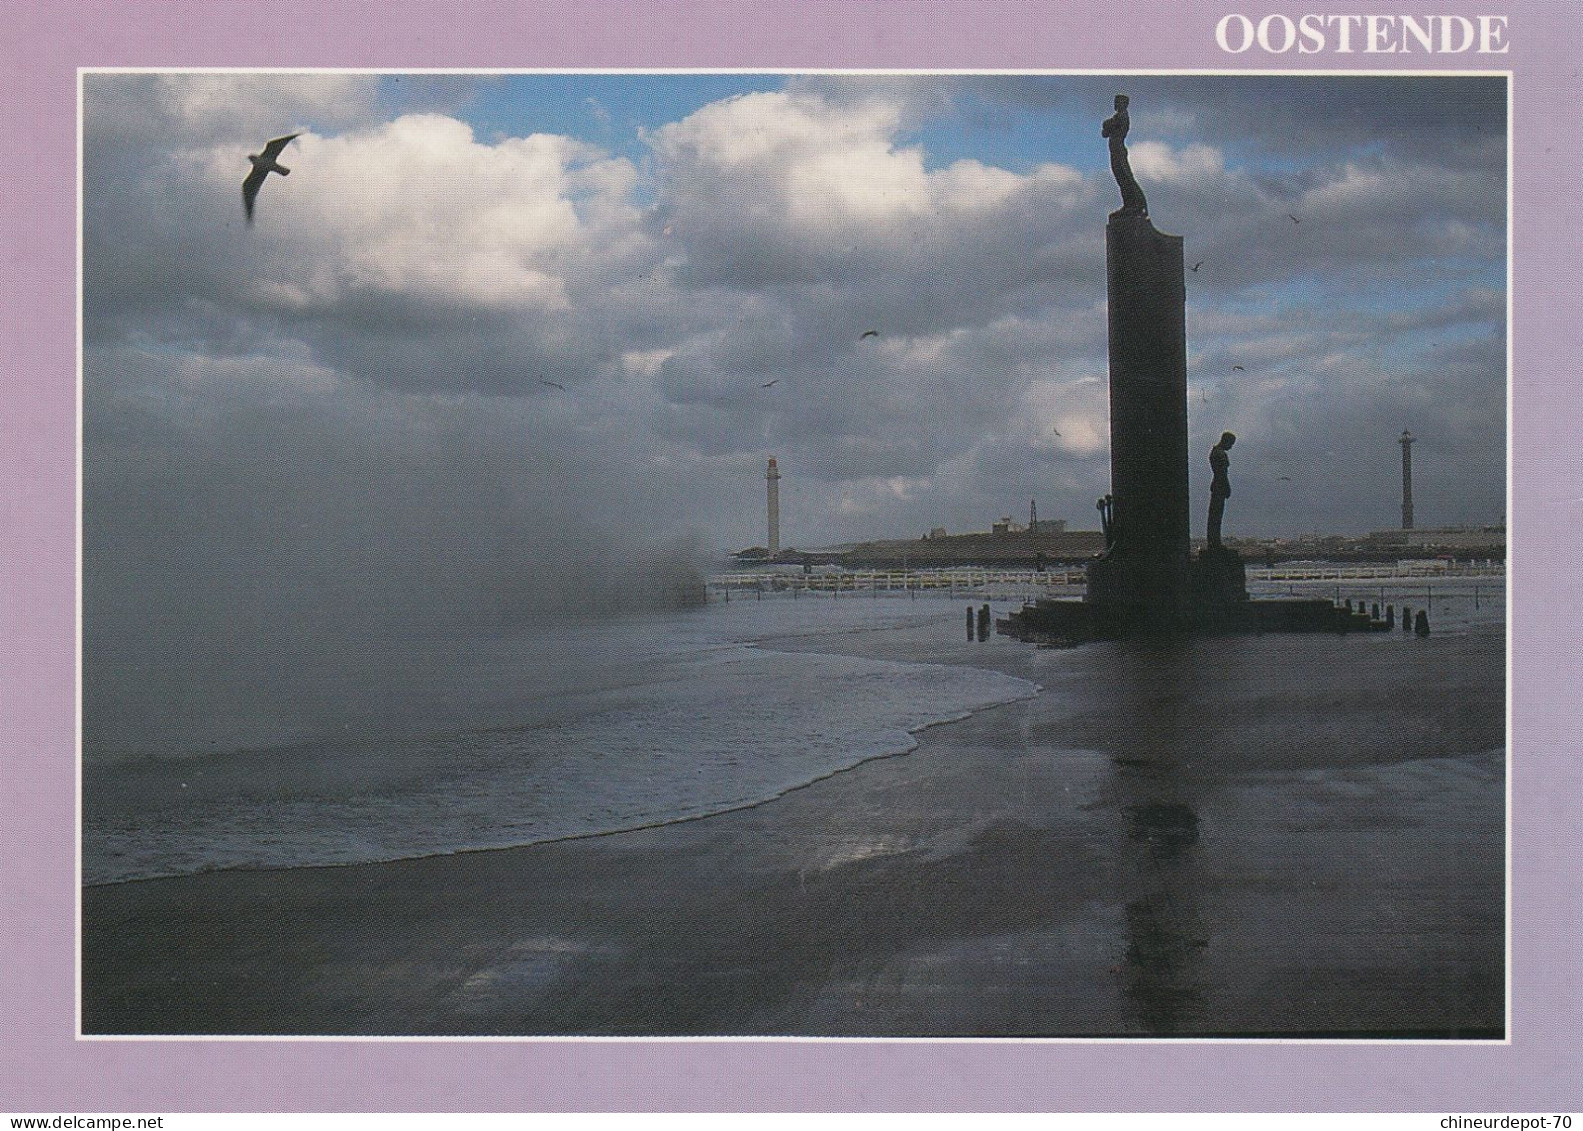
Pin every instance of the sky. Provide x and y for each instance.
(494, 329)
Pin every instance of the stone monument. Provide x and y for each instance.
(1147, 580)
(1143, 577)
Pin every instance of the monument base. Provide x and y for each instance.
(1153, 587)
(1217, 577)
(1215, 602)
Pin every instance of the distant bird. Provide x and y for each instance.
(767, 384)
(1239, 369)
(552, 384)
(263, 165)
(868, 334)
(1196, 266)
(1285, 478)
(1293, 219)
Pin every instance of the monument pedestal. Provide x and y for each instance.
(1132, 593)
(1217, 577)
(1143, 579)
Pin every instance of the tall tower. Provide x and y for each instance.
(1407, 479)
(773, 479)
(1033, 516)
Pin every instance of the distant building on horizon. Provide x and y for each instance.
(1453, 542)
(1007, 545)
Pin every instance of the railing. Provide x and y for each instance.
(1382, 570)
(918, 580)
(973, 580)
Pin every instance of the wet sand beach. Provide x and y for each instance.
(1279, 835)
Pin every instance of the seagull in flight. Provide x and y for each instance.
(868, 334)
(263, 165)
(1293, 219)
(552, 384)
(1239, 369)
(767, 384)
(1285, 478)
(1196, 266)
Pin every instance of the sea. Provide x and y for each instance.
(259, 745)
(417, 738)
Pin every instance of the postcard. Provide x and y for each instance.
(768, 556)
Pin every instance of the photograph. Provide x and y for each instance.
(789, 559)
(742, 554)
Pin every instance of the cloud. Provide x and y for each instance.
(777, 188)
(1294, 119)
(415, 287)
(411, 222)
(179, 111)
(418, 209)
(1194, 165)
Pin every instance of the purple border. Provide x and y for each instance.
(43, 1068)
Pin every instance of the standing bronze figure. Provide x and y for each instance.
(1220, 485)
(1115, 128)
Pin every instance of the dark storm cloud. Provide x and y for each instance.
(1449, 119)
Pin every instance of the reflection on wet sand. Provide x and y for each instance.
(1162, 976)
(1162, 979)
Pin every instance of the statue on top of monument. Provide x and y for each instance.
(1115, 128)
(1220, 485)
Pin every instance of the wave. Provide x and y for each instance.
(706, 730)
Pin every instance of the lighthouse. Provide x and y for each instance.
(1407, 479)
(772, 479)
